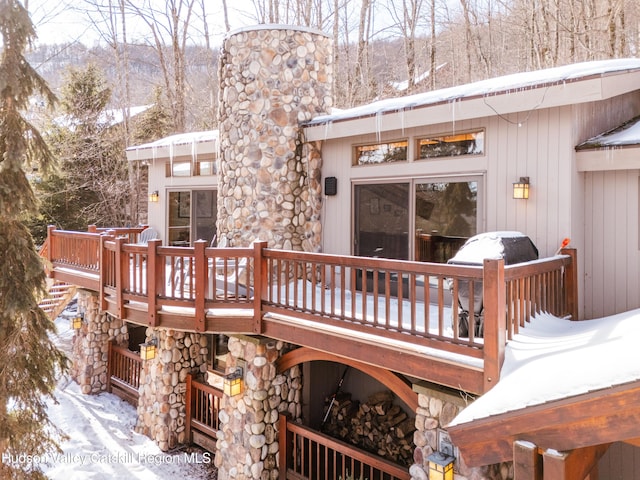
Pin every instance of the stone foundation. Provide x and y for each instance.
(437, 408)
(90, 349)
(272, 77)
(247, 446)
(161, 405)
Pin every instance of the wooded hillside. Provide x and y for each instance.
(384, 48)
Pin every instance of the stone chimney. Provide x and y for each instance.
(272, 78)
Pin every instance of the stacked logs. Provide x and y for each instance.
(378, 426)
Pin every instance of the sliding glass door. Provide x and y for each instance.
(422, 219)
(192, 216)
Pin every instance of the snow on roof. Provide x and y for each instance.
(554, 358)
(492, 86)
(107, 118)
(179, 144)
(625, 135)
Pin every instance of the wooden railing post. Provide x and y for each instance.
(109, 364)
(201, 266)
(188, 413)
(260, 284)
(50, 252)
(152, 282)
(120, 273)
(284, 444)
(494, 298)
(571, 282)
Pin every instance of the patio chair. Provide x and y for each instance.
(146, 235)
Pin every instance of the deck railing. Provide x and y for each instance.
(123, 375)
(415, 302)
(308, 454)
(202, 407)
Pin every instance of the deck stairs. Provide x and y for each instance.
(60, 294)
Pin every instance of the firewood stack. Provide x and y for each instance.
(378, 426)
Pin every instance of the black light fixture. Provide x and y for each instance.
(154, 196)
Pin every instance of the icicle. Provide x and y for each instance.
(402, 121)
(378, 125)
(327, 125)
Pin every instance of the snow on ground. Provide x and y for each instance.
(102, 444)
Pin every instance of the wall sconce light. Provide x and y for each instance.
(233, 384)
(154, 196)
(148, 349)
(521, 188)
(440, 466)
(76, 321)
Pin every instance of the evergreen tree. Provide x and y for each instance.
(29, 361)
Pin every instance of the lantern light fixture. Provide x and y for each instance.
(233, 383)
(440, 466)
(521, 188)
(148, 349)
(154, 196)
(76, 321)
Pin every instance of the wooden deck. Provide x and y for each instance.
(399, 315)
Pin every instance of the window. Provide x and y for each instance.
(217, 349)
(185, 167)
(381, 153)
(471, 143)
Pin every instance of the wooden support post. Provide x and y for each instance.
(50, 251)
(495, 336)
(152, 281)
(188, 412)
(260, 283)
(579, 464)
(201, 266)
(527, 461)
(284, 444)
(109, 364)
(121, 271)
(571, 282)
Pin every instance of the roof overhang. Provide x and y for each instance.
(502, 96)
(595, 418)
(192, 145)
(611, 158)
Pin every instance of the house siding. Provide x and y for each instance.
(513, 147)
(611, 251)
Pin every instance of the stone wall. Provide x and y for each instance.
(247, 446)
(90, 349)
(271, 79)
(436, 408)
(161, 405)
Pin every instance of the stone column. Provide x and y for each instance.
(247, 446)
(436, 408)
(90, 348)
(161, 404)
(272, 78)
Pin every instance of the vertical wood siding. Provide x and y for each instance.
(611, 250)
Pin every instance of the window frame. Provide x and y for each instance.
(356, 156)
(442, 137)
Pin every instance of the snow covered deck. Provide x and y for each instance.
(400, 315)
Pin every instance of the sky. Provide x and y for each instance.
(67, 20)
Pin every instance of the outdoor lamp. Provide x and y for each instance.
(233, 384)
(76, 321)
(521, 188)
(154, 196)
(148, 349)
(440, 466)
